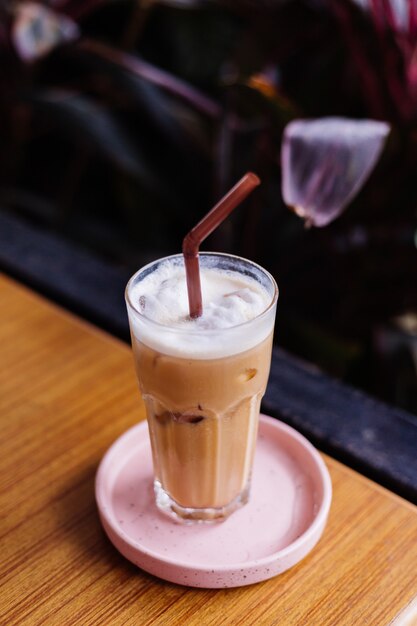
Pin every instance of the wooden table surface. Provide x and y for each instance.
(67, 391)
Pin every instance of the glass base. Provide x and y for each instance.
(180, 513)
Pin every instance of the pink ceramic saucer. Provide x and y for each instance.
(284, 519)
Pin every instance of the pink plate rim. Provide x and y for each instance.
(314, 530)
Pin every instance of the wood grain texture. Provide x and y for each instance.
(66, 392)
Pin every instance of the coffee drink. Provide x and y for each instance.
(202, 380)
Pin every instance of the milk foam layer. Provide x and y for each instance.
(230, 299)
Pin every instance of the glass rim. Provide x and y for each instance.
(200, 331)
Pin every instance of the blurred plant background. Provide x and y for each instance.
(123, 121)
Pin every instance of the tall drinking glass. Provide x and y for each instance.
(202, 389)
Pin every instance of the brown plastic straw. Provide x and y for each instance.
(203, 229)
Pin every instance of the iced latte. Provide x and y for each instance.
(202, 380)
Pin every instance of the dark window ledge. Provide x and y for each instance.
(368, 435)
(378, 440)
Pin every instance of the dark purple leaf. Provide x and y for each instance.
(326, 162)
(78, 9)
(412, 19)
(87, 122)
(37, 30)
(185, 4)
(175, 119)
(357, 51)
(160, 78)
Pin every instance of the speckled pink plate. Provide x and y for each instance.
(284, 519)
